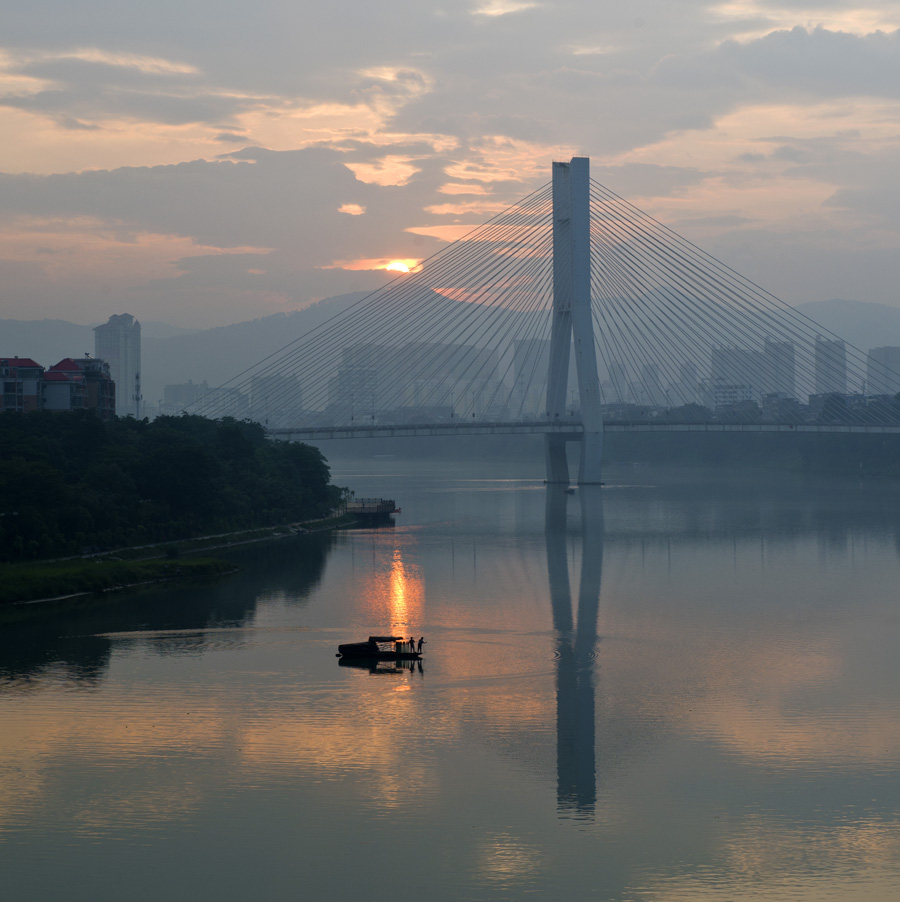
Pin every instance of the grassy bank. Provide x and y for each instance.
(133, 566)
(229, 539)
(27, 582)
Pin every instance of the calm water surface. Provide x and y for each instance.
(686, 689)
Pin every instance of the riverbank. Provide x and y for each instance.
(62, 579)
(124, 568)
(228, 539)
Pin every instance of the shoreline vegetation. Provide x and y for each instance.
(90, 506)
(45, 581)
(72, 484)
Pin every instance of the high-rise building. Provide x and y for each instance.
(738, 367)
(618, 380)
(118, 342)
(531, 362)
(883, 371)
(275, 399)
(654, 394)
(688, 388)
(353, 392)
(780, 368)
(830, 366)
(176, 398)
(770, 371)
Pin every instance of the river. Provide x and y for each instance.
(681, 686)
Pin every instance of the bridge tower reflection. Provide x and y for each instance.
(576, 640)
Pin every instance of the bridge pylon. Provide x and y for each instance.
(573, 325)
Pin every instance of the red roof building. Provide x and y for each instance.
(80, 384)
(71, 384)
(66, 365)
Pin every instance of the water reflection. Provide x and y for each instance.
(382, 667)
(713, 509)
(394, 593)
(507, 862)
(727, 737)
(72, 641)
(576, 643)
(405, 589)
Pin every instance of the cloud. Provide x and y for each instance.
(358, 130)
(756, 18)
(96, 87)
(503, 7)
(287, 206)
(794, 61)
(878, 202)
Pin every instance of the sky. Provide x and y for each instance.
(207, 162)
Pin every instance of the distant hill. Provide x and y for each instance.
(170, 354)
(217, 355)
(50, 340)
(45, 340)
(163, 330)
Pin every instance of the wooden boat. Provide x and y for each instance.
(381, 648)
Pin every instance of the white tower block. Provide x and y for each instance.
(572, 320)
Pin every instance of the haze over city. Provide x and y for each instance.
(204, 165)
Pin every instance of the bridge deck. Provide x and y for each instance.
(566, 428)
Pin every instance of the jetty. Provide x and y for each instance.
(373, 511)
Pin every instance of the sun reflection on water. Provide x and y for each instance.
(506, 860)
(396, 594)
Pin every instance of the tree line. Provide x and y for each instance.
(71, 483)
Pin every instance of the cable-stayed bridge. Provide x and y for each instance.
(569, 314)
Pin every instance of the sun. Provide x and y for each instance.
(397, 266)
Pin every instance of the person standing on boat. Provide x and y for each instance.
(421, 642)
(412, 644)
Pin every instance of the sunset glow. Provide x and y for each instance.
(407, 147)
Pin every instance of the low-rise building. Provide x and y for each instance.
(725, 395)
(781, 408)
(72, 384)
(21, 383)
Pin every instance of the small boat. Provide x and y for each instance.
(381, 648)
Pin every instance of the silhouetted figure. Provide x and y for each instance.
(421, 643)
(412, 643)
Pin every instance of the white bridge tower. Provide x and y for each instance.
(572, 322)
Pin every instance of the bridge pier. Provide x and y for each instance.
(589, 470)
(573, 321)
(557, 462)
